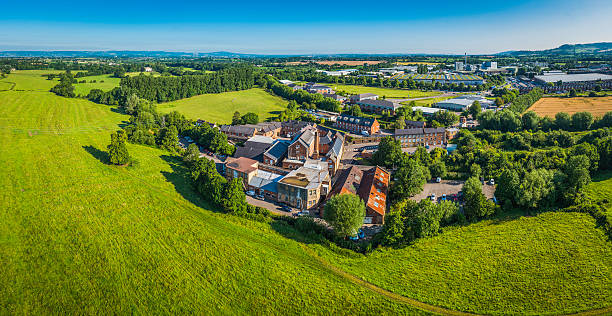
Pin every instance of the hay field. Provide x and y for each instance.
(550, 106)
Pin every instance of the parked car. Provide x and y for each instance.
(303, 213)
(443, 197)
(438, 180)
(250, 193)
(260, 197)
(286, 208)
(433, 197)
(492, 181)
(365, 133)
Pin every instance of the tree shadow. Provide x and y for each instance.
(102, 156)
(181, 179)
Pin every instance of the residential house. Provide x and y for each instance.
(304, 187)
(413, 137)
(275, 154)
(290, 128)
(357, 125)
(242, 167)
(254, 147)
(371, 185)
(415, 124)
(303, 146)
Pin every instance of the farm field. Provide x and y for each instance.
(78, 236)
(220, 107)
(389, 93)
(553, 263)
(109, 83)
(549, 106)
(30, 80)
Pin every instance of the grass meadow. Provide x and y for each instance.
(30, 80)
(389, 93)
(220, 107)
(109, 83)
(79, 236)
(553, 263)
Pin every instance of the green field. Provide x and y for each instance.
(427, 102)
(30, 80)
(549, 264)
(601, 188)
(109, 83)
(389, 93)
(220, 107)
(78, 236)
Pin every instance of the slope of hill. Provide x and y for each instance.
(603, 48)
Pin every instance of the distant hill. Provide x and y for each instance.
(603, 48)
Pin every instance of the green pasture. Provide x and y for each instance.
(220, 107)
(389, 93)
(553, 263)
(29, 80)
(103, 82)
(78, 236)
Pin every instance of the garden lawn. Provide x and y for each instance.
(109, 83)
(220, 107)
(78, 236)
(389, 93)
(553, 263)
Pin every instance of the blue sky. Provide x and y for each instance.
(302, 27)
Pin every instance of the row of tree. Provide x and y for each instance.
(510, 121)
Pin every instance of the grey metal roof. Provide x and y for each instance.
(552, 78)
(381, 103)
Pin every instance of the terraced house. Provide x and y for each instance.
(413, 137)
(357, 125)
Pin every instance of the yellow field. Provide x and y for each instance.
(550, 106)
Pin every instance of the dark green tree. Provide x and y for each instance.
(345, 213)
(117, 150)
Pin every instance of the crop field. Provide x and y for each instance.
(549, 106)
(549, 264)
(220, 107)
(79, 236)
(109, 83)
(389, 93)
